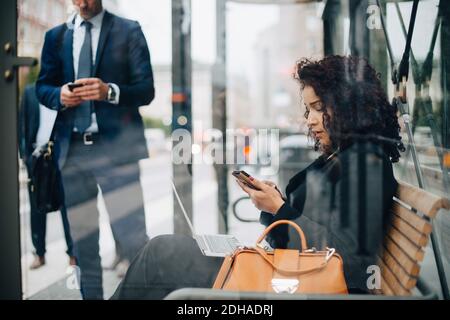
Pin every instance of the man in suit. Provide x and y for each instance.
(99, 130)
(31, 128)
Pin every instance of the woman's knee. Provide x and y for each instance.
(169, 239)
(170, 246)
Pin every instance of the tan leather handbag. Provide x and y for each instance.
(282, 270)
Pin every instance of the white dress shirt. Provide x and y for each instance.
(79, 32)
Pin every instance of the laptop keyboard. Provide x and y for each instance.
(221, 244)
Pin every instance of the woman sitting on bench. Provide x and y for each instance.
(341, 200)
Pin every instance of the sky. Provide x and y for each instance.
(244, 23)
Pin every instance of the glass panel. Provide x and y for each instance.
(263, 44)
(110, 196)
(426, 103)
(117, 178)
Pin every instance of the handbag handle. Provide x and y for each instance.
(277, 223)
(296, 272)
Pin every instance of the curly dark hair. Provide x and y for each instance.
(350, 87)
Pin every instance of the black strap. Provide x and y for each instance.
(403, 68)
(420, 75)
(414, 64)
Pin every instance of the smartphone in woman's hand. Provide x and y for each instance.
(245, 178)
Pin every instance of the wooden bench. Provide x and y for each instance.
(402, 252)
(403, 249)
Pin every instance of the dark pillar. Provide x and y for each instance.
(10, 272)
(366, 35)
(220, 111)
(333, 28)
(445, 75)
(181, 113)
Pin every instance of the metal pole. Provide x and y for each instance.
(181, 112)
(403, 106)
(220, 112)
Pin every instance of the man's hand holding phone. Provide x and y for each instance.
(73, 94)
(68, 98)
(264, 195)
(91, 89)
(72, 86)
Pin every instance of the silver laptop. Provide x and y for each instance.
(214, 245)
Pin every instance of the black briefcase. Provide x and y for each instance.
(45, 179)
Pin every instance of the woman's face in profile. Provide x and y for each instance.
(314, 118)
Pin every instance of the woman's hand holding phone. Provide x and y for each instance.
(273, 185)
(268, 198)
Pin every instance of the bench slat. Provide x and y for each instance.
(407, 236)
(424, 201)
(411, 218)
(392, 281)
(402, 258)
(412, 234)
(401, 274)
(385, 289)
(414, 252)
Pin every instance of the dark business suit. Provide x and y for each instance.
(29, 122)
(122, 58)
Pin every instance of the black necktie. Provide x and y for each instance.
(83, 111)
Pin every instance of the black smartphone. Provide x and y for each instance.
(74, 85)
(245, 178)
